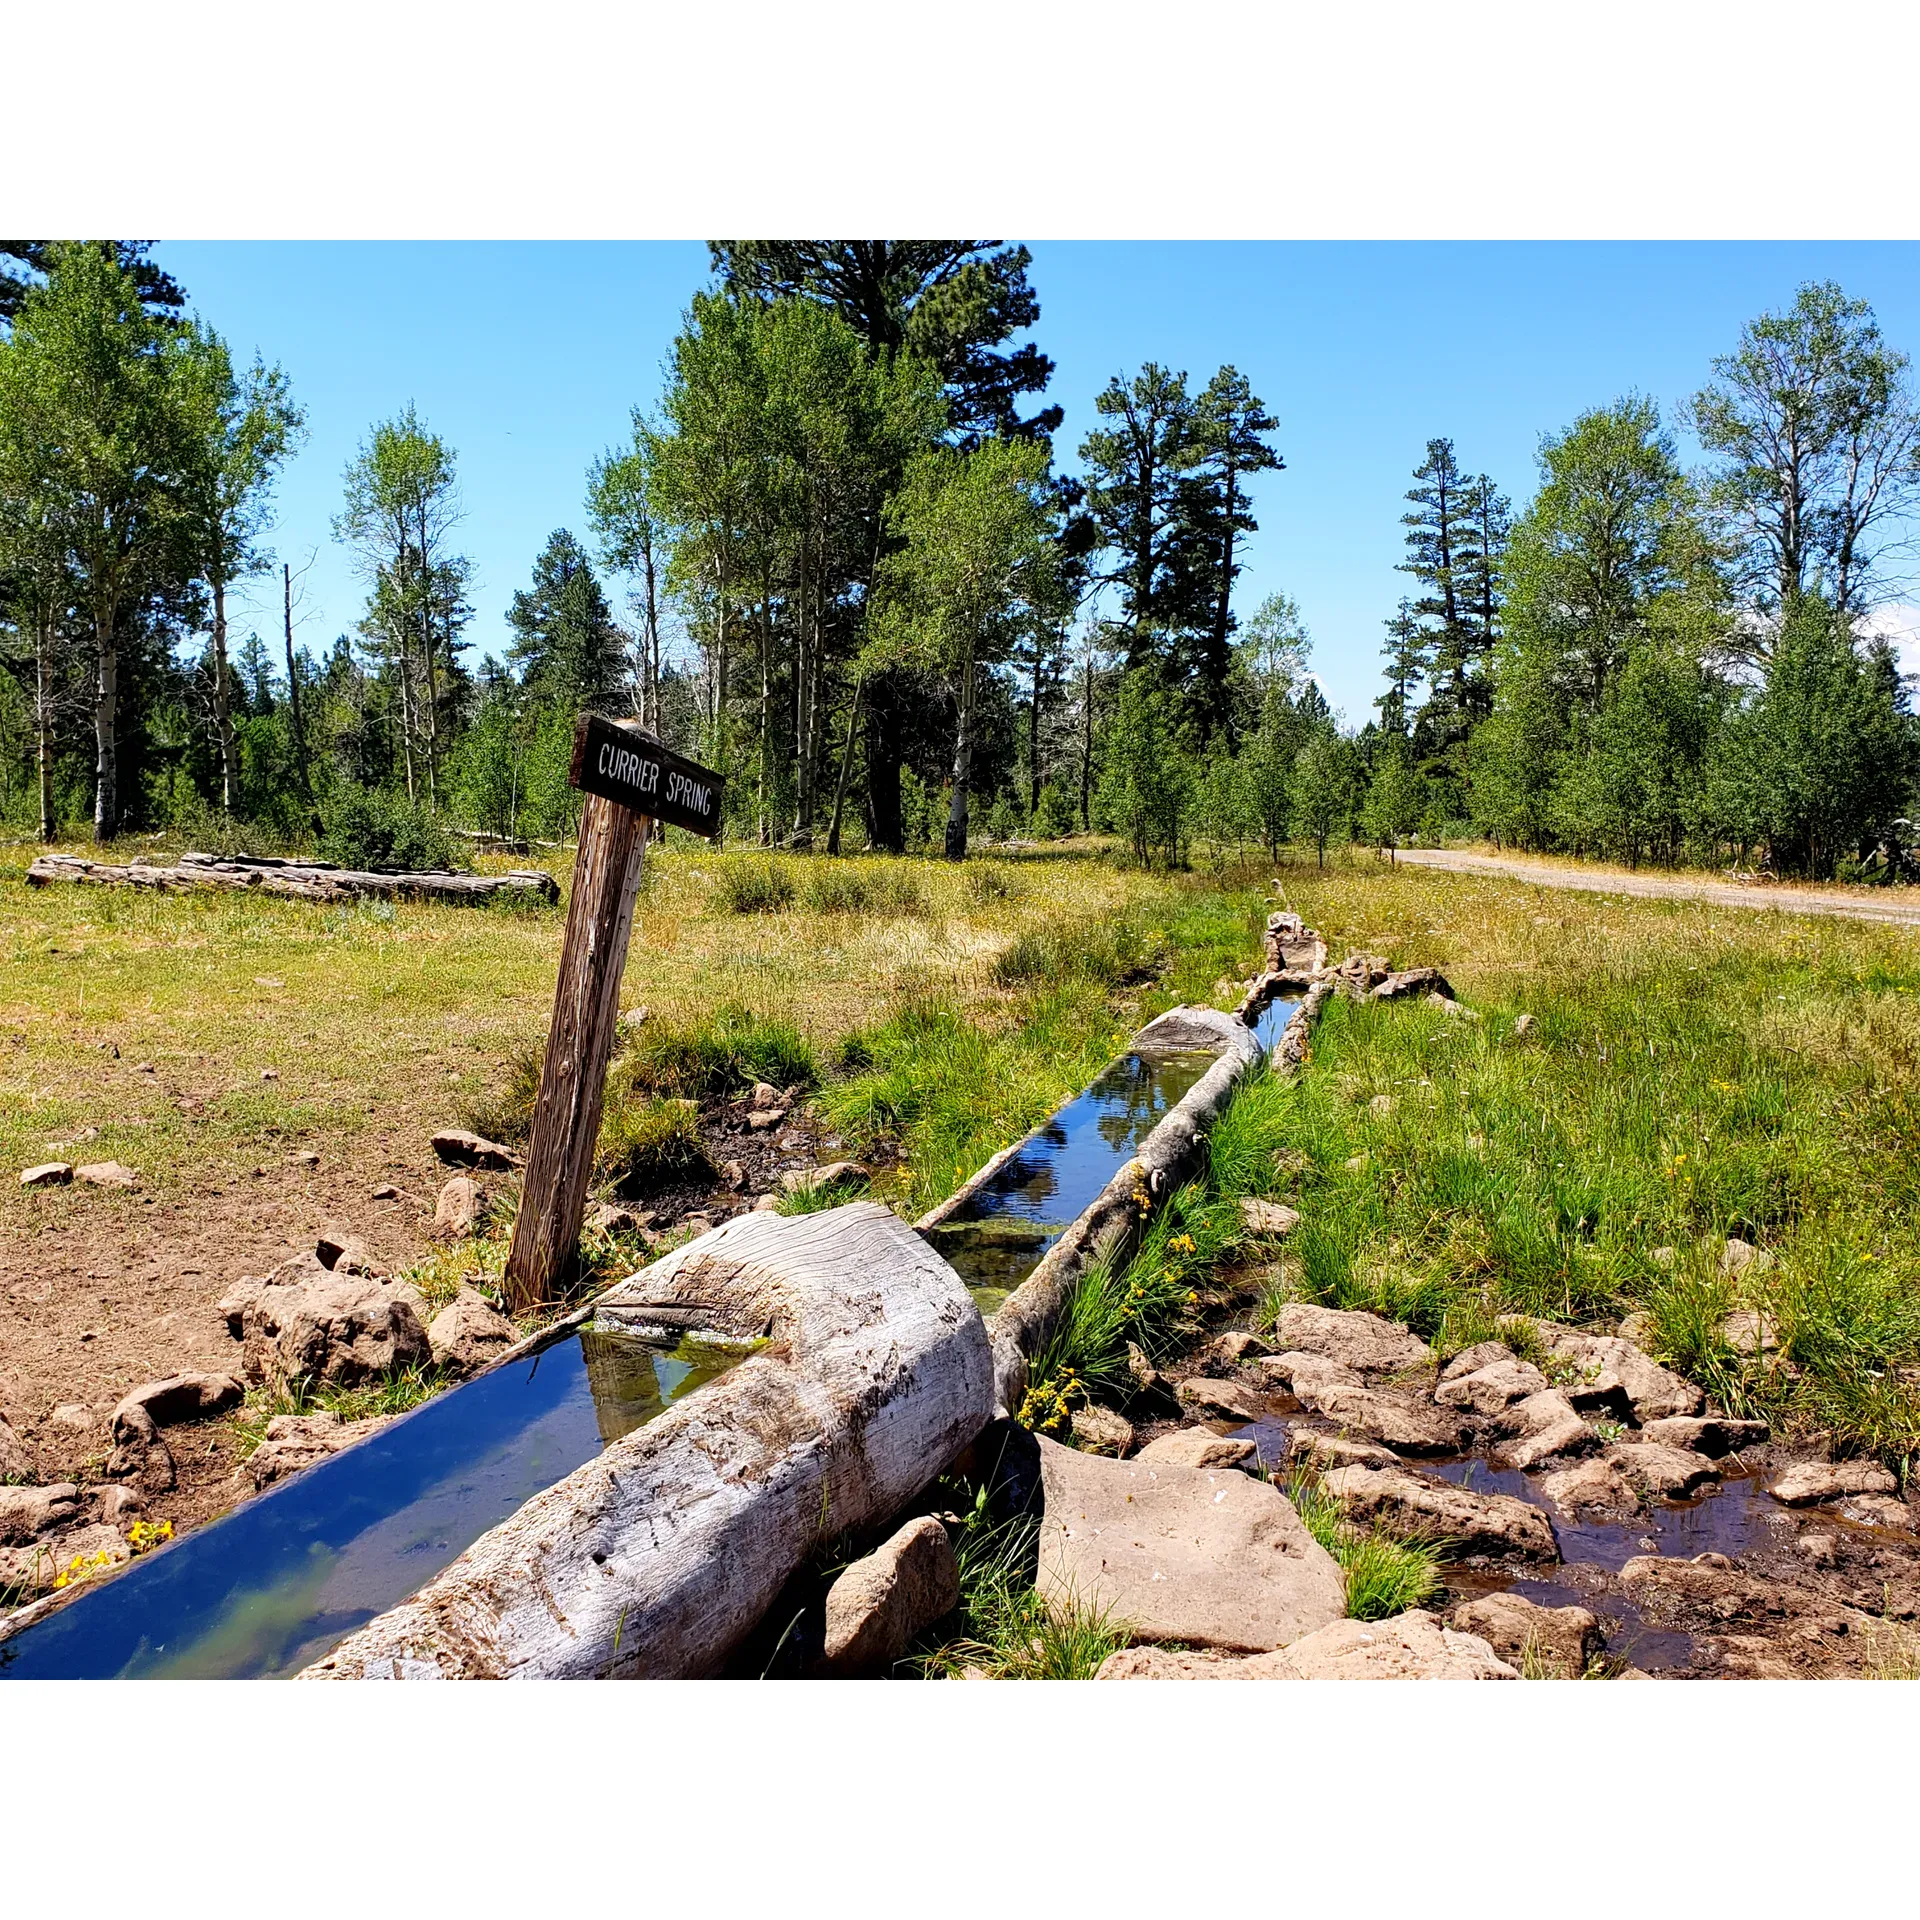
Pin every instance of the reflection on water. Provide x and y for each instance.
(270, 1587)
(1058, 1171)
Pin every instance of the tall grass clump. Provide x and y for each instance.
(754, 886)
(646, 1145)
(724, 1053)
(836, 886)
(1001, 1626)
(1117, 954)
(1385, 1573)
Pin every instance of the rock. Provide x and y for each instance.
(1268, 1218)
(1196, 1447)
(767, 1203)
(1381, 1106)
(15, 1463)
(73, 1416)
(1220, 1399)
(1522, 1025)
(341, 1328)
(385, 1191)
(1494, 1388)
(179, 1397)
(1099, 1430)
(1406, 1424)
(1878, 1510)
(458, 1209)
(466, 1333)
(1822, 1549)
(1665, 1471)
(765, 1098)
(28, 1512)
(1748, 1332)
(461, 1149)
(1703, 1593)
(1357, 1163)
(1714, 1434)
(1591, 1485)
(294, 1440)
(634, 1017)
(733, 1176)
(1177, 1663)
(139, 1449)
(1540, 1426)
(54, 1173)
(1362, 1341)
(1331, 1450)
(834, 1174)
(764, 1122)
(1738, 1256)
(1814, 1482)
(1564, 1641)
(1413, 980)
(1444, 1003)
(345, 1253)
(304, 1157)
(1615, 1372)
(1232, 1349)
(116, 1504)
(1666, 1258)
(1151, 1387)
(1411, 1646)
(878, 1604)
(1491, 1523)
(1637, 1327)
(1210, 1557)
(1471, 1359)
(106, 1173)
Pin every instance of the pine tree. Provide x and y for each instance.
(1436, 546)
(1407, 659)
(1484, 528)
(566, 645)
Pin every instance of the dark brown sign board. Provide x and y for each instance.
(633, 770)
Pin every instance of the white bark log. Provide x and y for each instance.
(655, 1559)
(301, 881)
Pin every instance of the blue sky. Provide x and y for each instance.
(528, 358)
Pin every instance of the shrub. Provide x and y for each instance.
(755, 886)
(370, 828)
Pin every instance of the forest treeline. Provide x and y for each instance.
(839, 556)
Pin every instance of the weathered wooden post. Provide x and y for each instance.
(630, 781)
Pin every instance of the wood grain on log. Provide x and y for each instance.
(296, 880)
(586, 1004)
(657, 1558)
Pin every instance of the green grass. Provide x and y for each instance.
(824, 1197)
(1002, 1626)
(397, 1393)
(1386, 1573)
(721, 1053)
(1538, 1176)
(646, 1145)
(756, 886)
(848, 887)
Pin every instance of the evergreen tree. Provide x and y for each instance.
(1232, 435)
(566, 646)
(1438, 543)
(1406, 654)
(26, 264)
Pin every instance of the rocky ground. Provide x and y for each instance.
(1601, 1517)
(118, 1436)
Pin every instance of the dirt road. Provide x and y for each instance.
(1897, 907)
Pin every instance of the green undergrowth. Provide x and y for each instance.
(1385, 1572)
(1597, 1167)
(723, 1053)
(1002, 1628)
(822, 1198)
(1156, 1299)
(397, 1393)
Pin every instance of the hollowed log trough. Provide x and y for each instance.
(656, 1559)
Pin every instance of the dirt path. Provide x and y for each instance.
(1900, 910)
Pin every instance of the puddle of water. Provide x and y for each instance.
(1059, 1170)
(273, 1585)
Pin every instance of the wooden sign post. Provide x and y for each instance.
(630, 781)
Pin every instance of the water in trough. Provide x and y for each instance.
(996, 1238)
(274, 1584)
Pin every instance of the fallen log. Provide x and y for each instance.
(295, 879)
(658, 1557)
